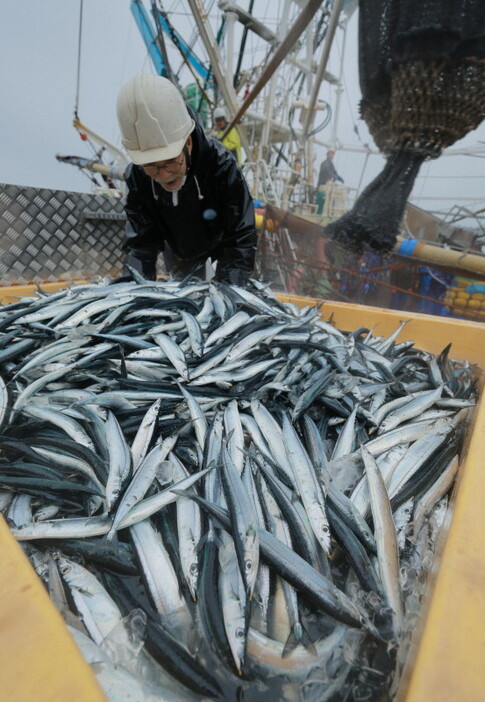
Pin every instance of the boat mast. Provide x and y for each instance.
(303, 19)
(265, 141)
(340, 89)
(305, 150)
(225, 85)
(310, 112)
(231, 19)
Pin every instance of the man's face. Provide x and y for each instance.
(220, 122)
(170, 174)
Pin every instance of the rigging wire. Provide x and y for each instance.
(194, 37)
(160, 40)
(423, 181)
(242, 46)
(98, 153)
(79, 41)
(351, 112)
(301, 78)
(185, 61)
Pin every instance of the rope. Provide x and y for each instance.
(78, 78)
(176, 43)
(161, 42)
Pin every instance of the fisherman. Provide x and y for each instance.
(186, 194)
(295, 176)
(328, 173)
(232, 140)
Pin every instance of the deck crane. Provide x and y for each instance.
(153, 40)
(152, 32)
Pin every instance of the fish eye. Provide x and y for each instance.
(239, 633)
(248, 565)
(193, 568)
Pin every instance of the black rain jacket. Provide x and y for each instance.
(214, 216)
(328, 172)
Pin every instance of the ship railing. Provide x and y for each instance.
(289, 190)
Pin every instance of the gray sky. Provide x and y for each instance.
(38, 56)
(38, 59)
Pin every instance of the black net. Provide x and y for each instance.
(422, 77)
(373, 222)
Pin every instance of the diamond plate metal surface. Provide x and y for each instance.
(51, 235)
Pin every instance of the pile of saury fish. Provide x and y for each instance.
(225, 495)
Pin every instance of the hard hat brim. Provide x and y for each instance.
(164, 153)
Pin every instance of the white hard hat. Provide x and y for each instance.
(153, 119)
(219, 112)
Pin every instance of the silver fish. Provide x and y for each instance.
(385, 536)
(309, 489)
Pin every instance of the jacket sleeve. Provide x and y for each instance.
(142, 236)
(239, 241)
(335, 175)
(324, 174)
(232, 141)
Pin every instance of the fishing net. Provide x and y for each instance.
(296, 257)
(422, 77)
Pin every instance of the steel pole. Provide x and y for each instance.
(310, 113)
(301, 22)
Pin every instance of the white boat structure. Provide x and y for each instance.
(265, 65)
(279, 69)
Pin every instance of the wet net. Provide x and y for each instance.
(295, 256)
(422, 77)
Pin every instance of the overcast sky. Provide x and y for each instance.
(38, 75)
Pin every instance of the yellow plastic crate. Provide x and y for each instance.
(447, 658)
(40, 661)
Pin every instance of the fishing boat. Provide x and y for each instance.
(61, 236)
(286, 73)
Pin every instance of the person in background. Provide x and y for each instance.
(232, 140)
(186, 194)
(295, 176)
(293, 179)
(327, 173)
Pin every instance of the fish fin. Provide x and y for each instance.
(166, 473)
(291, 643)
(111, 537)
(200, 544)
(308, 642)
(123, 371)
(299, 636)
